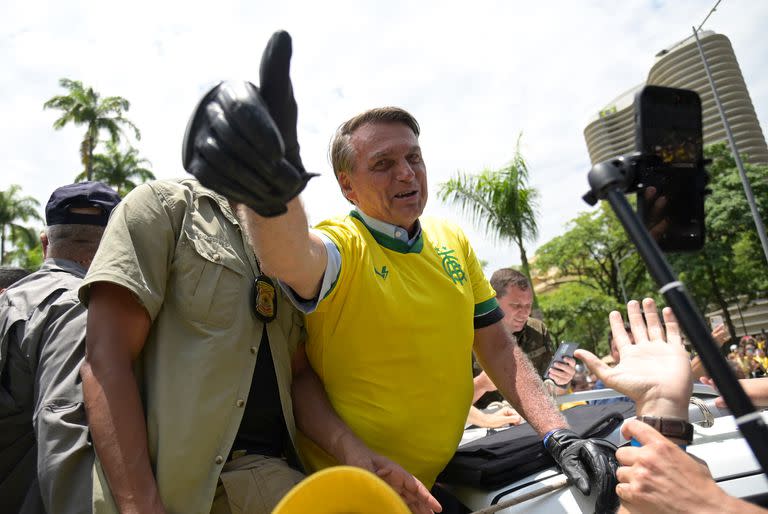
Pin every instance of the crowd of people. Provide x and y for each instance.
(747, 358)
(195, 347)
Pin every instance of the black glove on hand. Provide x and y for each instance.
(277, 92)
(233, 146)
(586, 461)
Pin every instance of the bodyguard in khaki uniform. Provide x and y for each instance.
(45, 456)
(188, 374)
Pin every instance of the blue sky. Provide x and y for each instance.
(475, 75)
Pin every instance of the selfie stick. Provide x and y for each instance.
(610, 180)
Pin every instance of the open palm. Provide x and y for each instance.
(655, 370)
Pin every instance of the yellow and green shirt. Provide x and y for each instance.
(392, 340)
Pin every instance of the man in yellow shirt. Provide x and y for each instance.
(398, 303)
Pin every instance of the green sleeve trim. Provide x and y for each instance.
(485, 307)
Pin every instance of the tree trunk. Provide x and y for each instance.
(2, 244)
(527, 272)
(89, 165)
(712, 275)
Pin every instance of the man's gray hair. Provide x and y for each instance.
(342, 153)
(504, 277)
(73, 242)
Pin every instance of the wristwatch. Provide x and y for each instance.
(670, 427)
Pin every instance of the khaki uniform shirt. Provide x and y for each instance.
(43, 430)
(179, 248)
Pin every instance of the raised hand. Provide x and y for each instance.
(233, 146)
(655, 370)
(277, 92)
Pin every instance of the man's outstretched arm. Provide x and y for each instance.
(509, 368)
(242, 142)
(117, 330)
(589, 463)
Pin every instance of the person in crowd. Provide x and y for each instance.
(391, 295)
(188, 375)
(721, 336)
(45, 456)
(656, 475)
(514, 294)
(515, 297)
(10, 275)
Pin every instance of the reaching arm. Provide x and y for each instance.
(117, 330)
(317, 419)
(502, 417)
(242, 142)
(509, 368)
(756, 389)
(286, 248)
(721, 336)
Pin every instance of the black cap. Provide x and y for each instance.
(82, 194)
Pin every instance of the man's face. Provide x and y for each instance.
(516, 304)
(389, 179)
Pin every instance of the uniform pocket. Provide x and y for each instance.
(209, 276)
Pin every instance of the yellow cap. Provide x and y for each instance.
(342, 490)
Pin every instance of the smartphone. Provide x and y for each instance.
(565, 349)
(670, 194)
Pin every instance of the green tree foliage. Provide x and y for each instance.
(15, 210)
(731, 266)
(84, 106)
(596, 252)
(27, 251)
(119, 169)
(500, 202)
(576, 312)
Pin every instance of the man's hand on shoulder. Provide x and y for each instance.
(243, 145)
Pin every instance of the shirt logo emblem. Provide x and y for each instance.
(383, 273)
(451, 265)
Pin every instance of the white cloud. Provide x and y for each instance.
(475, 76)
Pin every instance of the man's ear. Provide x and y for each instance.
(44, 242)
(345, 183)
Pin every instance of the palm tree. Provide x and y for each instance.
(498, 201)
(84, 106)
(119, 169)
(13, 209)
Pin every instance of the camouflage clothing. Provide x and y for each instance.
(535, 342)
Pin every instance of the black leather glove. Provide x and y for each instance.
(587, 462)
(233, 146)
(277, 92)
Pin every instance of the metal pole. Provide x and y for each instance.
(737, 158)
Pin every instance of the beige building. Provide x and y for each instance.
(612, 131)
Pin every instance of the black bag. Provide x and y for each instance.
(511, 454)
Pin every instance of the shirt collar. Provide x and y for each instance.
(390, 230)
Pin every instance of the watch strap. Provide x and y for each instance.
(670, 427)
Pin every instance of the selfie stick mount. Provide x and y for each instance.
(610, 180)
